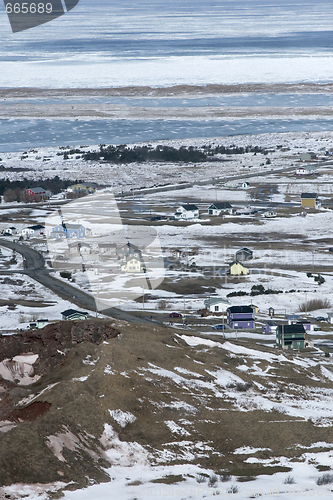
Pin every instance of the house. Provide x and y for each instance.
(187, 212)
(107, 249)
(240, 317)
(236, 268)
(132, 265)
(82, 188)
(255, 308)
(72, 314)
(244, 254)
(217, 304)
(245, 185)
(10, 231)
(309, 200)
(33, 231)
(330, 317)
(40, 323)
(270, 214)
(269, 327)
(219, 208)
(305, 171)
(79, 248)
(66, 230)
(128, 250)
(37, 194)
(290, 336)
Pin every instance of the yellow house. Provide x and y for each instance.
(132, 265)
(309, 200)
(236, 268)
(84, 187)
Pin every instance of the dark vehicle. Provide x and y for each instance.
(320, 318)
(219, 327)
(175, 315)
(330, 249)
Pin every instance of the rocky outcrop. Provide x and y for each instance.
(53, 342)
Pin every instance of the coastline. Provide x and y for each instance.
(167, 91)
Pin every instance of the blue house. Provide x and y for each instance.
(240, 317)
(72, 231)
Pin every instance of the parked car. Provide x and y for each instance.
(175, 315)
(320, 318)
(219, 327)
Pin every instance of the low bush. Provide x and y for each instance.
(314, 304)
(325, 479)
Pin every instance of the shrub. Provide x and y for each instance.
(314, 304)
(66, 275)
(201, 478)
(325, 479)
(212, 481)
(225, 477)
(243, 387)
(237, 294)
(233, 489)
(289, 480)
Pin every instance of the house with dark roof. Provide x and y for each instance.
(244, 254)
(129, 250)
(72, 314)
(290, 336)
(37, 194)
(239, 317)
(309, 200)
(187, 212)
(220, 207)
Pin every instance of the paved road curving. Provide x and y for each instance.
(35, 268)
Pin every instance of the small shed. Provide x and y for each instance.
(309, 200)
(330, 317)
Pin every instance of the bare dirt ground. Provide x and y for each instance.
(155, 379)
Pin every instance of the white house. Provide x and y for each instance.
(10, 231)
(304, 171)
(187, 212)
(220, 207)
(217, 304)
(33, 231)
